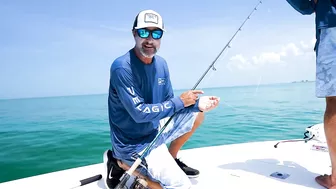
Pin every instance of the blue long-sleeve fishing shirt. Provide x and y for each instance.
(139, 96)
(325, 11)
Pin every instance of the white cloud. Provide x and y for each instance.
(267, 57)
(243, 62)
(239, 57)
(287, 51)
(304, 45)
(291, 49)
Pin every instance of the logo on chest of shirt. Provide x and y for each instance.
(161, 81)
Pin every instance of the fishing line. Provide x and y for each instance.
(126, 176)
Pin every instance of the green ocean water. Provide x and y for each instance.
(41, 135)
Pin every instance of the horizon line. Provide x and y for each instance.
(176, 89)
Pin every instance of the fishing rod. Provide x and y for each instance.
(226, 46)
(137, 162)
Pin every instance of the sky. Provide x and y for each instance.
(59, 48)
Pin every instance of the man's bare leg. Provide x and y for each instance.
(329, 181)
(177, 144)
(151, 184)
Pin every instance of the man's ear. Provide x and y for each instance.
(133, 32)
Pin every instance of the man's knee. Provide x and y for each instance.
(331, 100)
(331, 105)
(199, 119)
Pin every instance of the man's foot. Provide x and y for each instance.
(190, 172)
(325, 181)
(112, 170)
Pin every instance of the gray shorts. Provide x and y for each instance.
(326, 63)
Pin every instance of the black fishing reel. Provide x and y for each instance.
(139, 184)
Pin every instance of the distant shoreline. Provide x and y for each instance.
(303, 81)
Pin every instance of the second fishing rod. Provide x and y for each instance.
(138, 161)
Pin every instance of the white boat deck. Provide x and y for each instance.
(247, 165)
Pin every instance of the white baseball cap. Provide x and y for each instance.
(148, 18)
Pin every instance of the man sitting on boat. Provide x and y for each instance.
(325, 12)
(140, 102)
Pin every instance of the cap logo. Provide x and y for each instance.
(151, 18)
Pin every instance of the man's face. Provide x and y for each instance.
(148, 41)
